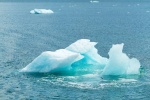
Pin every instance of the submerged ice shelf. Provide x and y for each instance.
(83, 53)
(41, 11)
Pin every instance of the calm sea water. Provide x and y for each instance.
(23, 36)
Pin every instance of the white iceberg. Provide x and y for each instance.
(41, 11)
(49, 61)
(82, 56)
(94, 1)
(119, 63)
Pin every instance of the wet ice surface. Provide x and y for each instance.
(83, 53)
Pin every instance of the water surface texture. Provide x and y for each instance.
(24, 36)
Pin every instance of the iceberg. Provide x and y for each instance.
(119, 63)
(41, 11)
(94, 1)
(81, 57)
(49, 61)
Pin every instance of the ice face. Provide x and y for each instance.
(41, 11)
(119, 63)
(49, 61)
(88, 50)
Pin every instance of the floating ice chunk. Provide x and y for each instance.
(94, 1)
(41, 11)
(82, 56)
(88, 50)
(49, 61)
(119, 63)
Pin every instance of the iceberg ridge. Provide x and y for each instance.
(88, 50)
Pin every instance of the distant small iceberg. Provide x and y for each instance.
(94, 1)
(41, 11)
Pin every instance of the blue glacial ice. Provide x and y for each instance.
(83, 53)
(88, 51)
(49, 61)
(41, 11)
(119, 63)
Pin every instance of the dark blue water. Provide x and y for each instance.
(23, 36)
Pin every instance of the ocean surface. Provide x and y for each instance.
(24, 36)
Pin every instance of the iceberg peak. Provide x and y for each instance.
(87, 48)
(119, 63)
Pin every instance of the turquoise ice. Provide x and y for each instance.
(82, 55)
